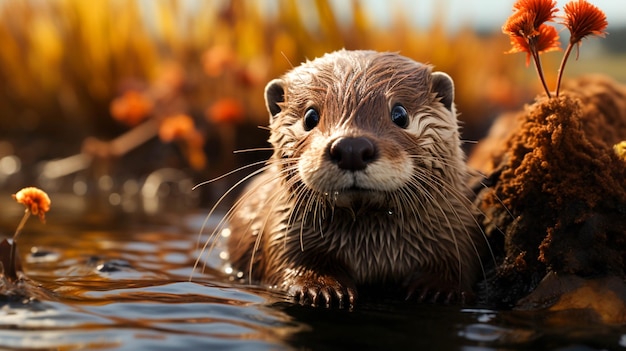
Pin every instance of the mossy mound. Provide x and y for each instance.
(554, 197)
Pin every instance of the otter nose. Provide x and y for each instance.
(352, 153)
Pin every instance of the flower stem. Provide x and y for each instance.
(535, 54)
(13, 256)
(562, 67)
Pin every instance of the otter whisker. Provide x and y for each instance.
(443, 211)
(273, 201)
(470, 207)
(221, 223)
(255, 149)
(206, 182)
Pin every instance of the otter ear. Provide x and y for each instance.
(443, 85)
(274, 95)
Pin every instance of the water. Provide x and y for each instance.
(105, 286)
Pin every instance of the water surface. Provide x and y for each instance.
(102, 285)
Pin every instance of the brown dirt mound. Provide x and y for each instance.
(555, 194)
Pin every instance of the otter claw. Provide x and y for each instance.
(322, 292)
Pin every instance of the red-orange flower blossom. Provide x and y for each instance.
(584, 19)
(226, 110)
(176, 127)
(528, 33)
(131, 108)
(546, 40)
(541, 10)
(182, 127)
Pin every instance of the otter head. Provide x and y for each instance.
(358, 126)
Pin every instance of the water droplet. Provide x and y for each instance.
(224, 255)
(225, 232)
(390, 212)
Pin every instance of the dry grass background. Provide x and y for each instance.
(65, 64)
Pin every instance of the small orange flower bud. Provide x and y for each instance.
(35, 200)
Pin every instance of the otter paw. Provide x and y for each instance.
(428, 288)
(323, 291)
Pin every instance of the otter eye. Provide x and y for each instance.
(311, 119)
(399, 116)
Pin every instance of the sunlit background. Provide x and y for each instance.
(127, 103)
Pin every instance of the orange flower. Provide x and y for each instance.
(529, 34)
(226, 110)
(181, 127)
(520, 25)
(541, 10)
(131, 108)
(583, 19)
(176, 127)
(546, 40)
(195, 152)
(35, 200)
(529, 15)
(528, 22)
(218, 59)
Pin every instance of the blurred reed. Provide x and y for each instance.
(73, 69)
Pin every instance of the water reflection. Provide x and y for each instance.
(130, 289)
(126, 287)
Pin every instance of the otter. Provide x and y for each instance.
(366, 186)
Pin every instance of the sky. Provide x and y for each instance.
(487, 14)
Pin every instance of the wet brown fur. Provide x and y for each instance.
(301, 225)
